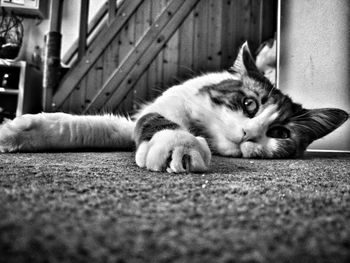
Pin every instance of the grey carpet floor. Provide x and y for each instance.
(100, 207)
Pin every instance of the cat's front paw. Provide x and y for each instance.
(12, 133)
(174, 151)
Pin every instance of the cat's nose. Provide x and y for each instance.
(250, 136)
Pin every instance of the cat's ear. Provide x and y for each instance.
(244, 63)
(320, 122)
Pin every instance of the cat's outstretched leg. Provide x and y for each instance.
(164, 145)
(14, 134)
(61, 131)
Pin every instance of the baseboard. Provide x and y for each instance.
(326, 151)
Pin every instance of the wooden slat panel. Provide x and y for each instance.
(142, 23)
(94, 81)
(111, 59)
(142, 19)
(255, 23)
(155, 77)
(83, 27)
(112, 7)
(127, 39)
(201, 36)
(140, 92)
(229, 39)
(150, 45)
(186, 32)
(171, 61)
(73, 77)
(127, 43)
(77, 98)
(214, 35)
(162, 73)
(65, 106)
(155, 70)
(248, 22)
(156, 7)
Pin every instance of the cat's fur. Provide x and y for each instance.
(236, 113)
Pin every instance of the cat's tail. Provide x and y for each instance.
(62, 132)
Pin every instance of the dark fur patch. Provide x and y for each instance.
(225, 86)
(150, 124)
(227, 93)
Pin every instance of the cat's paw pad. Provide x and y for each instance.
(174, 151)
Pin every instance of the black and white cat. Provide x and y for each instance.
(235, 113)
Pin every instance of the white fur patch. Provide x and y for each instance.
(181, 103)
(175, 144)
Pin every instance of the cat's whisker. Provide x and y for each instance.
(271, 90)
(189, 71)
(299, 117)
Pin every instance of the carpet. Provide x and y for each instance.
(100, 207)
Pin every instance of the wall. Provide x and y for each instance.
(314, 59)
(35, 30)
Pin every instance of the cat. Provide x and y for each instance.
(236, 112)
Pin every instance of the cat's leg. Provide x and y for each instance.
(14, 133)
(164, 145)
(61, 131)
(36, 132)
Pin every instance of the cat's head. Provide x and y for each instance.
(272, 125)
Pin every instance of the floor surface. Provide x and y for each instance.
(100, 207)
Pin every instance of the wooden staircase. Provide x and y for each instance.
(149, 45)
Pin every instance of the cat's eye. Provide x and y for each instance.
(278, 132)
(250, 106)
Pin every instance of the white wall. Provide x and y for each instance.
(35, 30)
(315, 58)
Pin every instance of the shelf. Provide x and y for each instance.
(9, 91)
(20, 88)
(30, 8)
